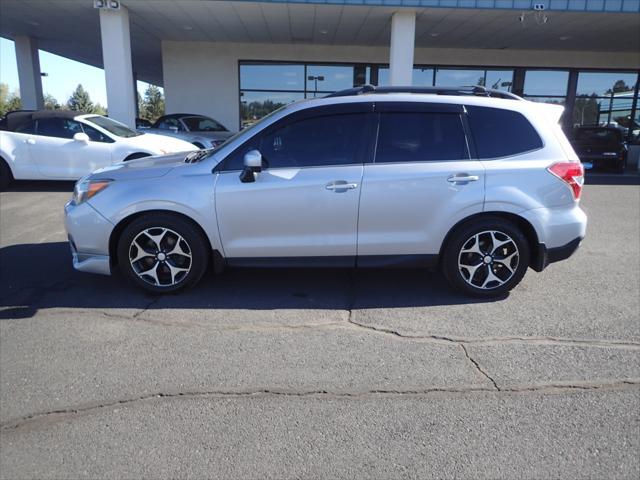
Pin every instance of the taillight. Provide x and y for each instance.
(572, 173)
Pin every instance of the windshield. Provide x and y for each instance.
(203, 124)
(111, 126)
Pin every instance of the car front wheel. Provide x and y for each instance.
(162, 253)
(486, 258)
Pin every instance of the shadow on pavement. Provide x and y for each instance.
(36, 276)
(602, 178)
(41, 186)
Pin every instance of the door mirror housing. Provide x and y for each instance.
(81, 137)
(252, 165)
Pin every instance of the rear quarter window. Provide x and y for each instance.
(501, 133)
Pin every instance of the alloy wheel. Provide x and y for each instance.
(488, 259)
(160, 257)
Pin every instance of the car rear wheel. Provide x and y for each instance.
(5, 175)
(162, 253)
(486, 258)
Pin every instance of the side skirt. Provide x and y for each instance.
(367, 261)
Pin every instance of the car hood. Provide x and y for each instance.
(147, 167)
(160, 144)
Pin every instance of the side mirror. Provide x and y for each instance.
(252, 165)
(81, 137)
(173, 129)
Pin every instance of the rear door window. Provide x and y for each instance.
(501, 133)
(420, 137)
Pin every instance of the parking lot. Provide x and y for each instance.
(318, 373)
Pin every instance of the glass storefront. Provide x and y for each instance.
(607, 99)
(600, 98)
(546, 86)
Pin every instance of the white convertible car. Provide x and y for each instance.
(65, 145)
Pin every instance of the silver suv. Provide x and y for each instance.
(481, 184)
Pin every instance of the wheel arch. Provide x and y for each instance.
(123, 223)
(522, 223)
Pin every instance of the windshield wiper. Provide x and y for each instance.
(196, 156)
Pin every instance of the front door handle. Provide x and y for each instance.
(340, 186)
(463, 178)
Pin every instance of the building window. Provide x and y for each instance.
(606, 99)
(494, 79)
(499, 79)
(547, 86)
(265, 87)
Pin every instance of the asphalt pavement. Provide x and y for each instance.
(318, 373)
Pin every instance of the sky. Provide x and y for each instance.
(59, 82)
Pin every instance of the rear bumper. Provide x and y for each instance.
(546, 256)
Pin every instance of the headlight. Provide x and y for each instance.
(86, 189)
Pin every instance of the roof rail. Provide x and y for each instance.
(470, 90)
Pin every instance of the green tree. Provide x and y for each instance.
(618, 87)
(50, 102)
(152, 104)
(8, 101)
(98, 109)
(80, 101)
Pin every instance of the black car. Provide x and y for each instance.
(600, 147)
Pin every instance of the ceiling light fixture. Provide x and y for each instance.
(565, 37)
(434, 34)
(324, 31)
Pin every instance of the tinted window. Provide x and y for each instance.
(58, 127)
(312, 142)
(168, 123)
(500, 133)
(597, 135)
(420, 137)
(29, 127)
(111, 126)
(203, 124)
(95, 135)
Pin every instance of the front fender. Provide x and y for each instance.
(191, 196)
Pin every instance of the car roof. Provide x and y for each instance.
(18, 118)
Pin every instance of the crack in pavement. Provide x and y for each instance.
(155, 300)
(478, 367)
(45, 418)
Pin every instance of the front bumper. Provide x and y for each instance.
(88, 234)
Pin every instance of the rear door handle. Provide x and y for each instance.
(340, 186)
(463, 178)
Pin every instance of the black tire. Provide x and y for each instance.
(502, 265)
(6, 177)
(196, 246)
(135, 156)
